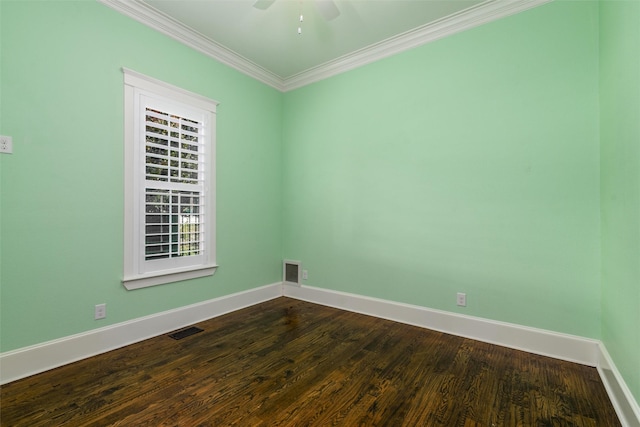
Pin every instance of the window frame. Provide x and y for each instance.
(137, 272)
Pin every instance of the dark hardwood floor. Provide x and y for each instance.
(291, 363)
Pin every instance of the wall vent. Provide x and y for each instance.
(291, 272)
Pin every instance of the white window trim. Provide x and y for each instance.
(134, 278)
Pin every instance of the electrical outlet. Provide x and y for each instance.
(305, 274)
(6, 144)
(461, 299)
(100, 311)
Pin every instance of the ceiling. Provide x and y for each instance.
(266, 45)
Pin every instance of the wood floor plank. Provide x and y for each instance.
(292, 363)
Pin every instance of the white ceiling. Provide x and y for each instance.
(266, 45)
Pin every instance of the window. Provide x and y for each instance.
(169, 183)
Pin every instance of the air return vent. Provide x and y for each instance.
(291, 272)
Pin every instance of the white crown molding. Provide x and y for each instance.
(482, 13)
(474, 16)
(42, 357)
(151, 17)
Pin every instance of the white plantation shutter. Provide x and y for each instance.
(171, 196)
(174, 188)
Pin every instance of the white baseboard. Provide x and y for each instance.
(547, 343)
(42, 357)
(538, 341)
(623, 401)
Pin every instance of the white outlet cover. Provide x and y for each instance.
(6, 144)
(100, 311)
(462, 299)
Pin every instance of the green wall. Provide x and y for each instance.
(62, 188)
(620, 181)
(502, 162)
(470, 164)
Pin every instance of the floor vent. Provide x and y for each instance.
(185, 333)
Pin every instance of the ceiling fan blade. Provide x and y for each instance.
(327, 9)
(263, 4)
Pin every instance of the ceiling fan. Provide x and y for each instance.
(327, 8)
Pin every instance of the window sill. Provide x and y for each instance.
(167, 276)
